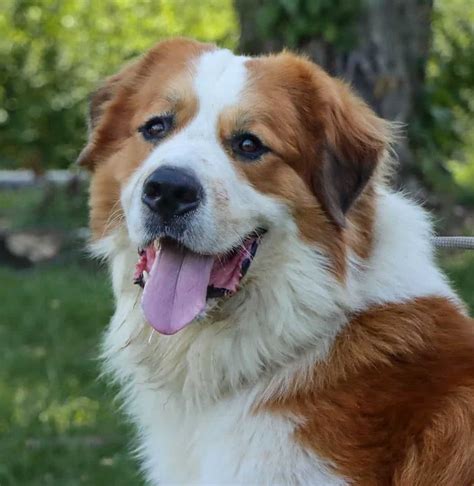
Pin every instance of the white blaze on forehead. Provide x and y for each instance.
(219, 81)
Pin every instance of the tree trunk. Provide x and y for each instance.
(386, 64)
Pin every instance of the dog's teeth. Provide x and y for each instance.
(145, 276)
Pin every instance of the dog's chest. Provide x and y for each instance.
(225, 444)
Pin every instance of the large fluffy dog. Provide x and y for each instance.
(289, 325)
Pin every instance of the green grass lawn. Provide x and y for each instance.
(59, 425)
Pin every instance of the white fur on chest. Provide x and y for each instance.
(191, 395)
(187, 395)
(226, 444)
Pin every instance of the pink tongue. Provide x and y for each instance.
(175, 292)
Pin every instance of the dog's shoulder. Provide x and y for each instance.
(394, 401)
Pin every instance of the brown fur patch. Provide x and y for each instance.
(394, 401)
(300, 112)
(159, 82)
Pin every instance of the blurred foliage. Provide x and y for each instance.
(442, 134)
(54, 52)
(49, 207)
(440, 131)
(459, 267)
(297, 21)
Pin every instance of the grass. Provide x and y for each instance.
(59, 425)
(459, 266)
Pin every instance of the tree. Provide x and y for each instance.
(53, 53)
(380, 47)
(383, 48)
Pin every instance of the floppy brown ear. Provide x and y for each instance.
(355, 142)
(107, 105)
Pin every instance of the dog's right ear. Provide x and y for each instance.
(107, 104)
(97, 102)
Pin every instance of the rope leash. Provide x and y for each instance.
(454, 242)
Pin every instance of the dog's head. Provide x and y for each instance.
(203, 155)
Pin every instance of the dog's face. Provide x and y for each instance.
(203, 155)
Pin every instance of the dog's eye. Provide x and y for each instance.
(248, 146)
(156, 128)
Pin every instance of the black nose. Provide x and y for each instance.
(171, 192)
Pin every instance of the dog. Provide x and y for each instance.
(280, 318)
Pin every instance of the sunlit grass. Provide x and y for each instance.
(58, 424)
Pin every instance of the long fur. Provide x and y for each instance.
(330, 303)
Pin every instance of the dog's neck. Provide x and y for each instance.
(289, 311)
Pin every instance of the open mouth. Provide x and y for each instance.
(177, 281)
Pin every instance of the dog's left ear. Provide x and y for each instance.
(355, 141)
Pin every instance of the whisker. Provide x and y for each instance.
(152, 332)
(116, 216)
